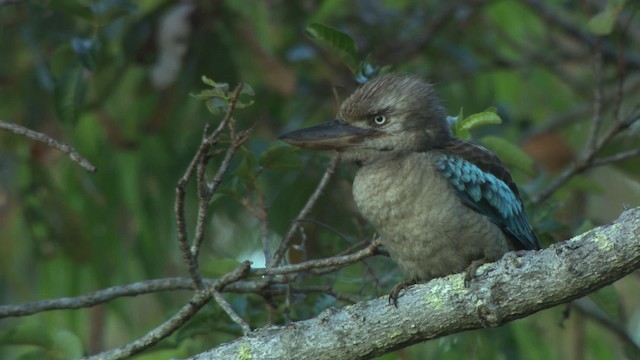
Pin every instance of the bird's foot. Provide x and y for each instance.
(470, 272)
(395, 292)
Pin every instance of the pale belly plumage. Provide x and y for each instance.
(427, 229)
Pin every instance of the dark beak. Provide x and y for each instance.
(331, 135)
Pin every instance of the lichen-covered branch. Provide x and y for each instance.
(518, 285)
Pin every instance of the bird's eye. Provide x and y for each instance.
(379, 119)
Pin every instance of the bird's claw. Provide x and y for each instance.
(470, 272)
(395, 292)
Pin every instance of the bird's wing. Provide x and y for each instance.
(484, 184)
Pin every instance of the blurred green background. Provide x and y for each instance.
(113, 77)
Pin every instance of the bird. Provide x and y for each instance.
(440, 204)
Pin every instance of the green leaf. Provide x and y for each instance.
(487, 117)
(207, 94)
(217, 105)
(69, 94)
(208, 81)
(336, 42)
(604, 22)
(217, 99)
(511, 154)
(280, 157)
(86, 49)
(247, 90)
(31, 333)
(242, 105)
(67, 344)
(455, 121)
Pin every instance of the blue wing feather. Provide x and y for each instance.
(490, 196)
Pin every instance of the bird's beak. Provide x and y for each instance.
(331, 135)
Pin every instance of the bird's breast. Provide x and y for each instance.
(426, 228)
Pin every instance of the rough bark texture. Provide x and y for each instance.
(514, 287)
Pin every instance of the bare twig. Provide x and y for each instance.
(321, 263)
(98, 297)
(435, 24)
(136, 289)
(594, 144)
(207, 189)
(328, 227)
(580, 111)
(597, 97)
(263, 285)
(237, 142)
(200, 298)
(591, 310)
(587, 159)
(286, 242)
(553, 18)
(224, 304)
(615, 158)
(444, 306)
(46, 139)
(198, 163)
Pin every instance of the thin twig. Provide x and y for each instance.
(135, 289)
(597, 97)
(235, 95)
(200, 159)
(587, 159)
(224, 304)
(586, 306)
(324, 290)
(181, 223)
(286, 242)
(328, 227)
(615, 158)
(435, 24)
(51, 142)
(236, 144)
(265, 284)
(551, 17)
(621, 69)
(199, 299)
(578, 113)
(321, 263)
(97, 297)
(207, 189)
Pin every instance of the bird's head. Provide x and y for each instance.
(391, 115)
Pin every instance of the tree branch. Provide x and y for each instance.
(51, 142)
(199, 299)
(205, 190)
(514, 287)
(588, 158)
(286, 242)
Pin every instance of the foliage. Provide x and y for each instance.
(113, 77)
